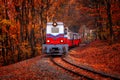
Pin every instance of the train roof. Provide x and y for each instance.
(49, 23)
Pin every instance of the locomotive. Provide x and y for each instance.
(59, 39)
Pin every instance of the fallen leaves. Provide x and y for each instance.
(100, 55)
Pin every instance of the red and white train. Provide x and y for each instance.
(59, 39)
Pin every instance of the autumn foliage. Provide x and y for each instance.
(100, 56)
(23, 22)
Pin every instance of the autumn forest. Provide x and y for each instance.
(23, 24)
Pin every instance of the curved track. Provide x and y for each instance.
(111, 76)
(80, 71)
(69, 70)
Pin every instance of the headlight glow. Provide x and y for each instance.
(61, 40)
(48, 40)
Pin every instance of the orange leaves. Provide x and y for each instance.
(95, 14)
(115, 10)
(116, 30)
(11, 31)
(115, 6)
(4, 30)
(13, 36)
(99, 55)
(5, 22)
(25, 43)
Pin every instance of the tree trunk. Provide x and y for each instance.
(109, 20)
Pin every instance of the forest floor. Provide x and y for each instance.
(38, 68)
(98, 55)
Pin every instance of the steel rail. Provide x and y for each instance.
(114, 77)
(71, 71)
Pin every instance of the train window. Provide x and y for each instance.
(55, 30)
(74, 36)
(65, 31)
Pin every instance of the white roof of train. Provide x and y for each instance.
(56, 22)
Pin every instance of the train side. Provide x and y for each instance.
(73, 39)
(59, 39)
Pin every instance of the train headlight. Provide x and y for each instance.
(48, 40)
(54, 24)
(61, 40)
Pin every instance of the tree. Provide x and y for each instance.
(108, 7)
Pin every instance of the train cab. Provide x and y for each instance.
(55, 39)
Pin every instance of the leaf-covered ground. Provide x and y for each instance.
(99, 55)
(37, 68)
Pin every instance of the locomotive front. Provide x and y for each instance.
(55, 39)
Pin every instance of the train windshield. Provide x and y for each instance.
(65, 31)
(55, 30)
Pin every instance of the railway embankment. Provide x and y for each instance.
(98, 55)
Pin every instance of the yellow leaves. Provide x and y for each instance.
(2, 37)
(11, 31)
(13, 36)
(73, 51)
(39, 48)
(25, 43)
(6, 22)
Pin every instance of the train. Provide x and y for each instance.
(59, 39)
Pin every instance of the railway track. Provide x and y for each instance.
(80, 71)
(107, 75)
(69, 70)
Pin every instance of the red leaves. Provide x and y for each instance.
(100, 55)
